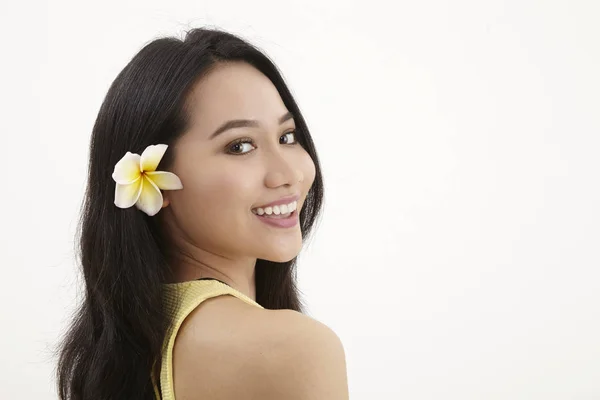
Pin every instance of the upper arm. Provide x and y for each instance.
(305, 360)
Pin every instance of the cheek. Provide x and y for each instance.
(214, 206)
(216, 191)
(309, 171)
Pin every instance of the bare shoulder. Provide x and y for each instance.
(230, 350)
(305, 360)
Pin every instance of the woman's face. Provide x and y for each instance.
(223, 181)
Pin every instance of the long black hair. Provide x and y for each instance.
(117, 332)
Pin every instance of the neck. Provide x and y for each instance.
(239, 274)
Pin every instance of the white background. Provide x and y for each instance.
(458, 256)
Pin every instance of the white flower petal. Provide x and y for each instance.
(150, 200)
(152, 156)
(165, 180)
(127, 195)
(127, 169)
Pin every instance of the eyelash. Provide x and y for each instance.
(250, 141)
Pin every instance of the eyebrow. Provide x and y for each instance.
(242, 123)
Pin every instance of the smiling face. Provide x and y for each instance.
(223, 180)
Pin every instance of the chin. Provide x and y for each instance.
(283, 259)
(282, 256)
(280, 249)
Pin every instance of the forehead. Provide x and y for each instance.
(234, 91)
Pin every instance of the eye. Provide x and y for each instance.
(290, 133)
(237, 145)
(236, 148)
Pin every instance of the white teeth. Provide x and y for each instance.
(281, 209)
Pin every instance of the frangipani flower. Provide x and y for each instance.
(139, 183)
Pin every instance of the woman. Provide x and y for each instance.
(203, 183)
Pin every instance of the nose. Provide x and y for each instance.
(283, 169)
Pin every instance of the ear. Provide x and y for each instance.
(165, 201)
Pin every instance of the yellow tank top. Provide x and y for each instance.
(181, 299)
